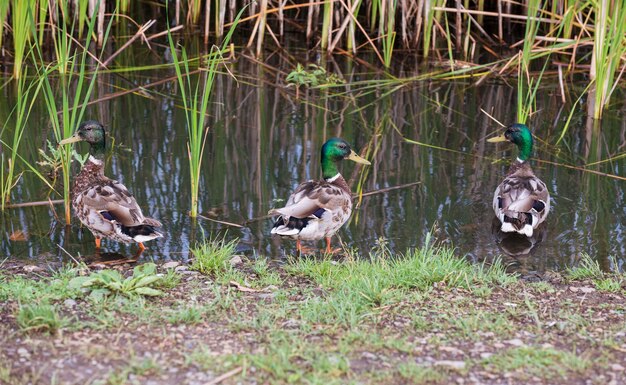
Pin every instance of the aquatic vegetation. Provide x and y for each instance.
(52, 158)
(76, 88)
(4, 11)
(143, 282)
(527, 85)
(609, 49)
(22, 20)
(312, 76)
(195, 93)
(27, 92)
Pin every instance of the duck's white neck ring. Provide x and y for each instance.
(334, 178)
(93, 160)
(519, 160)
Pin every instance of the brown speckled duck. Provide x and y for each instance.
(104, 205)
(318, 208)
(522, 201)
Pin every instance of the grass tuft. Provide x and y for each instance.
(534, 361)
(40, 318)
(588, 268)
(212, 256)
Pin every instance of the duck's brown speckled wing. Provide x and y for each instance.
(309, 197)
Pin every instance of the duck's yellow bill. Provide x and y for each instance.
(496, 139)
(71, 139)
(355, 158)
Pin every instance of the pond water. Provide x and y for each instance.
(263, 142)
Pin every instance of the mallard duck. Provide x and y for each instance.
(521, 202)
(318, 208)
(104, 205)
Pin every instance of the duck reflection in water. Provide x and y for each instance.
(517, 247)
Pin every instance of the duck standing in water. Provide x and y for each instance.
(521, 202)
(318, 208)
(104, 205)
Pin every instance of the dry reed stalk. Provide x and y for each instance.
(139, 33)
(419, 21)
(327, 25)
(510, 16)
(458, 25)
(281, 17)
(561, 86)
(221, 18)
(207, 18)
(177, 12)
(369, 40)
(500, 32)
(350, 17)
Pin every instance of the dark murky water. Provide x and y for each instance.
(263, 142)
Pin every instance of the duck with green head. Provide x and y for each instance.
(318, 208)
(522, 201)
(104, 205)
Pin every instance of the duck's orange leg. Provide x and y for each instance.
(328, 250)
(98, 243)
(298, 247)
(141, 247)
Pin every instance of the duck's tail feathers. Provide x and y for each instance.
(289, 227)
(141, 233)
(521, 223)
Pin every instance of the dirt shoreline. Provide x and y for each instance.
(281, 326)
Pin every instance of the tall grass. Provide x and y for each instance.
(22, 18)
(608, 50)
(195, 93)
(75, 86)
(388, 22)
(417, 25)
(527, 85)
(4, 11)
(27, 92)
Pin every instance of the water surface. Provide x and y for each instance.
(263, 142)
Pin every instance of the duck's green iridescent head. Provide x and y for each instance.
(334, 150)
(91, 132)
(520, 135)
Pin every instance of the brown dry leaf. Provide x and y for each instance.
(243, 288)
(18, 235)
(114, 262)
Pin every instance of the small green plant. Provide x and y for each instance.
(53, 158)
(110, 282)
(40, 318)
(312, 76)
(588, 268)
(608, 284)
(212, 257)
